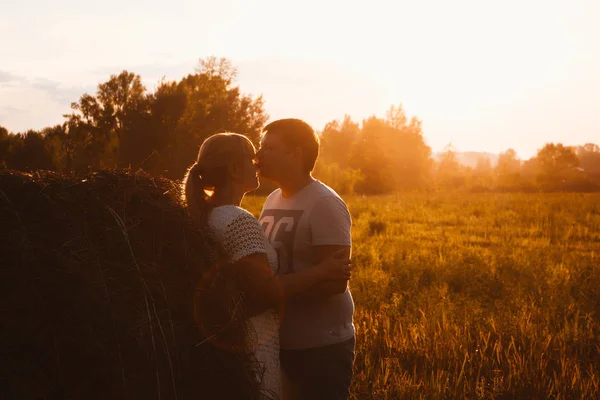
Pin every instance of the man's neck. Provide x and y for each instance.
(295, 184)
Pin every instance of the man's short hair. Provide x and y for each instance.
(296, 133)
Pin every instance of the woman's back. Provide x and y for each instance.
(240, 235)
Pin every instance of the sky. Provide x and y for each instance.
(482, 75)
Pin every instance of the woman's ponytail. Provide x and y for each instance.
(194, 197)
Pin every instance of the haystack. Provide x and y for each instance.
(98, 276)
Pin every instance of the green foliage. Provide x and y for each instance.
(124, 125)
(337, 142)
(449, 172)
(343, 181)
(389, 154)
(589, 157)
(556, 162)
(392, 154)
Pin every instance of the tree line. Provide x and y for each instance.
(123, 125)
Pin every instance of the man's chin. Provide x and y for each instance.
(261, 175)
(263, 179)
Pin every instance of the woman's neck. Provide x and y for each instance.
(228, 195)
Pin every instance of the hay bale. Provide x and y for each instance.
(97, 281)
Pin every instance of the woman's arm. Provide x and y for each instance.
(263, 291)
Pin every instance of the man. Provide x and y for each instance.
(306, 222)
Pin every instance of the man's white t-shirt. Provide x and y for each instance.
(314, 216)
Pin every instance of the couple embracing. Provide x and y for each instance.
(295, 257)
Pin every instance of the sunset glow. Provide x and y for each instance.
(485, 75)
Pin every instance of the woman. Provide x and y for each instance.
(214, 188)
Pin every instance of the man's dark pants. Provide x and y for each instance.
(322, 372)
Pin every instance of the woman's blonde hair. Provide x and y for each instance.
(210, 171)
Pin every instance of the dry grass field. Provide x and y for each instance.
(475, 296)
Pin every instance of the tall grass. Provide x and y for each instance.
(476, 296)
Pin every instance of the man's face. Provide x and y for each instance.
(274, 158)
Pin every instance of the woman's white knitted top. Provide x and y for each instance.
(241, 235)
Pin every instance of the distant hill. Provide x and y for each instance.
(469, 158)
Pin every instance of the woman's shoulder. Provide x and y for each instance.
(238, 231)
(223, 216)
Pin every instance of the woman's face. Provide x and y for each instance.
(249, 171)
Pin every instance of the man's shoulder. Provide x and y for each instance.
(325, 190)
(316, 193)
(322, 192)
(272, 197)
(330, 218)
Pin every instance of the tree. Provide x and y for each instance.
(4, 146)
(556, 164)
(372, 158)
(342, 180)
(508, 168)
(413, 163)
(57, 146)
(106, 130)
(200, 105)
(483, 173)
(392, 154)
(448, 169)
(123, 125)
(589, 158)
(27, 152)
(337, 141)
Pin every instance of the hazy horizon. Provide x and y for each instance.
(484, 77)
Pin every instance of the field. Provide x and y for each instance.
(475, 296)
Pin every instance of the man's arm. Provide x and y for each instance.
(325, 289)
(320, 253)
(263, 290)
(330, 224)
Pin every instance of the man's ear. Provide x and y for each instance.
(298, 153)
